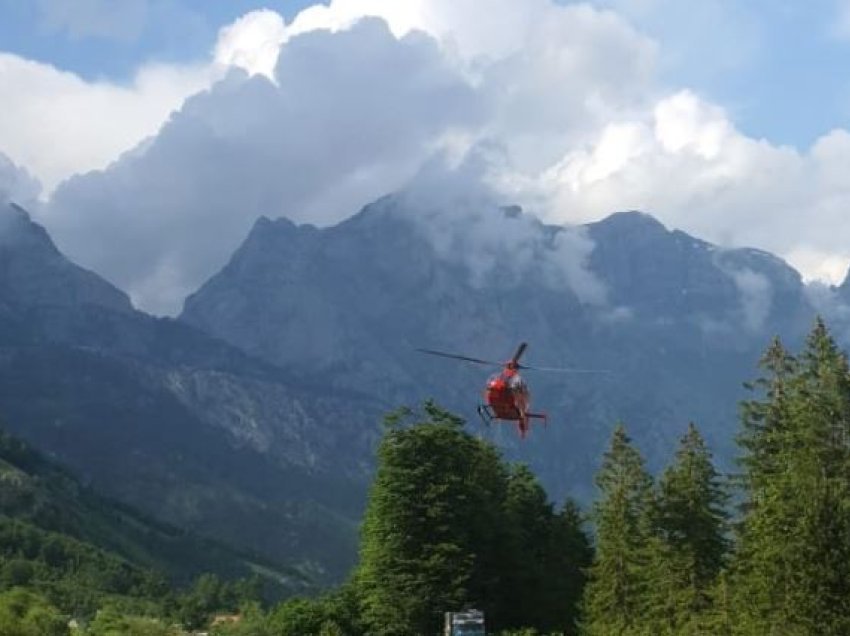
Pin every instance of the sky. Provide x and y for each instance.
(148, 135)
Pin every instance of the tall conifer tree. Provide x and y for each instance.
(688, 545)
(615, 591)
(791, 572)
(543, 567)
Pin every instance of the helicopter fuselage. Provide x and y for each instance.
(506, 397)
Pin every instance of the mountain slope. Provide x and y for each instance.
(185, 427)
(35, 491)
(677, 323)
(33, 271)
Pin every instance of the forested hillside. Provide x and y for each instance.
(77, 554)
(691, 552)
(450, 525)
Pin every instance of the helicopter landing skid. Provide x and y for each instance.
(485, 412)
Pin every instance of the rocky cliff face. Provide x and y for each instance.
(678, 323)
(174, 421)
(254, 417)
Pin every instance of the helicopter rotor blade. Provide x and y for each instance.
(562, 370)
(459, 357)
(519, 351)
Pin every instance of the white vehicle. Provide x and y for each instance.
(467, 623)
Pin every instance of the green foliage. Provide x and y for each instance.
(688, 544)
(433, 531)
(24, 613)
(544, 560)
(210, 595)
(614, 594)
(450, 526)
(792, 566)
(111, 621)
(35, 490)
(74, 576)
(330, 615)
(302, 616)
(663, 563)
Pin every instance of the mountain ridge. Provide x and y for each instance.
(680, 321)
(159, 415)
(269, 387)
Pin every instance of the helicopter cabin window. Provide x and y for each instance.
(516, 383)
(501, 381)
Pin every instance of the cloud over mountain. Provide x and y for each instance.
(352, 115)
(348, 101)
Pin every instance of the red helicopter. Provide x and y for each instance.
(506, 396)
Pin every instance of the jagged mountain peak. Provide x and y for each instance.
(18, 231)
(34, 272)
(630, 221)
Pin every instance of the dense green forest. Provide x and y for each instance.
(451, 525)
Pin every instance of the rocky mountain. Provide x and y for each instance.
(33, 272)
(252, 419)
(678, 324)
(161, 416)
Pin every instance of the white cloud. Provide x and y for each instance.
(756, 295)
(353, 117)
(686, 163)
(817, 265)
(252, 42)
(567, 94)
(57, 124)
(466, 223)
(356, 111)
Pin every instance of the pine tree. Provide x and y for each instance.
(767, 424)
(614, 594)
(687, 549)
(570, 554)
(529, 519)
(820, 576)
(791, 570)
(547, 553)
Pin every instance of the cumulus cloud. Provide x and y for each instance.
(332, 112)
(467, 223)
(57, 124)
(354, 109)
(353, 116)
(687, 163)
(252, 42)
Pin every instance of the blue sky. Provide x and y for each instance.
(129, 124)
(782, 67)
(132, 31)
